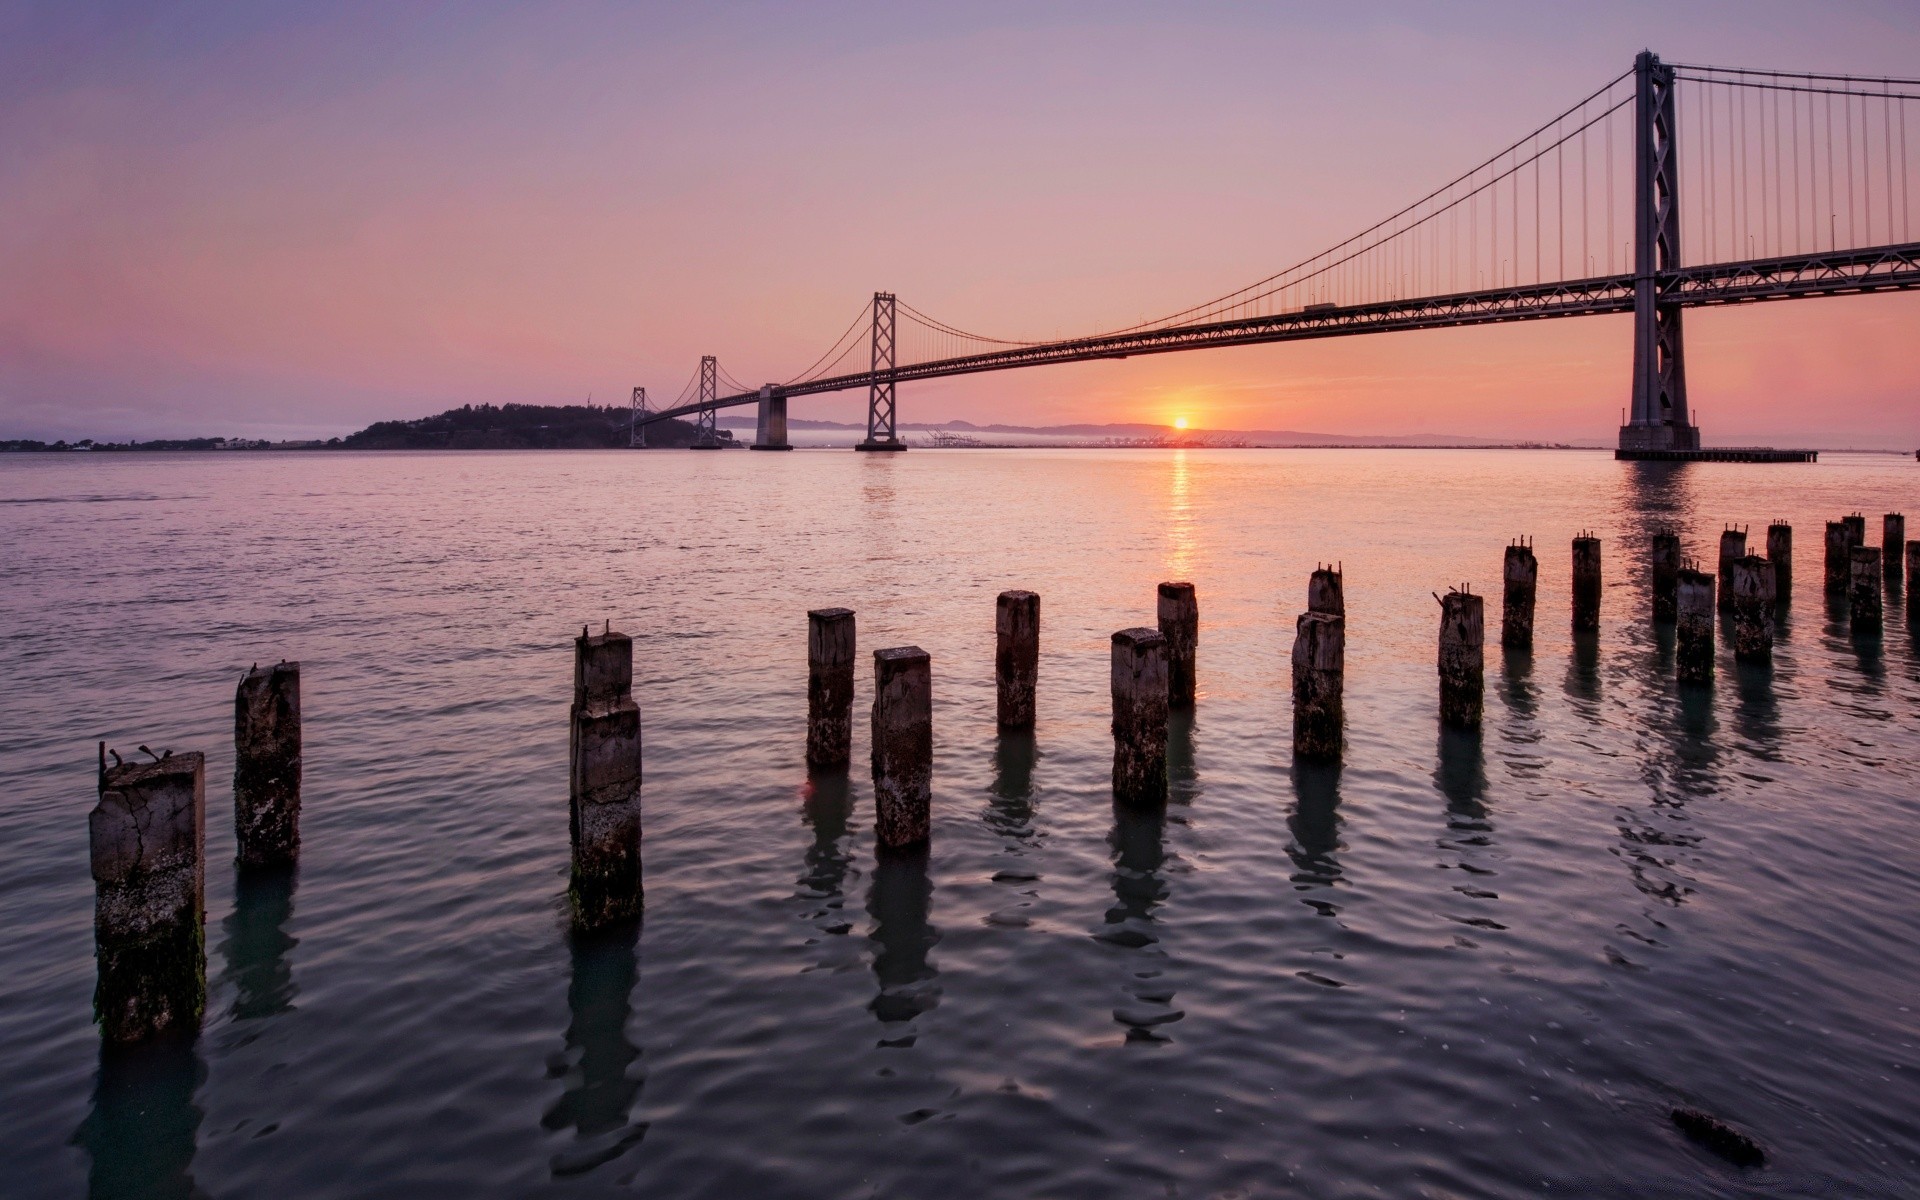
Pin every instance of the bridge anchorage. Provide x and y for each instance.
(1796, 184)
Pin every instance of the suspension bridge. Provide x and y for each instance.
(1797, 185)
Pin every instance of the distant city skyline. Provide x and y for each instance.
(289, 223)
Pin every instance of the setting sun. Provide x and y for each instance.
(1179, 422)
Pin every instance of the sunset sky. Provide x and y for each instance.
(289, 220)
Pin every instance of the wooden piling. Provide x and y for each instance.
(1780, 554)
(1180, 625)
(1752, 580)
(1586, 582)
(830, 653)
(1837, 545)
(902, 746)
(604, 778)
(1913, 578)
(147, 838)
(1893, 539)
(1139, 685)
(1693, 633)
(1016, 656)
(266, 766)
(1863, 588)
(1521, 573)
(1665, 560)
(1733, 546)
(1319, 681)
(1327, 591)
(1462, 660)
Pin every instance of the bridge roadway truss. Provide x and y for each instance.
(1793, 277)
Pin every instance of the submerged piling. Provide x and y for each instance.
(1780, 554)
(1893, 537)
(147, 837)
(1693, 635)
(1327, 591)
(1733, 546)
(902, 746)
(1463, 668)
(604, 777)
(1753, 580)
(830, 650)
(1521, 572)
(266, 766)
(1863, 589)
(1139, 684)
(1180, 625)
(1016, 656)
(1666, 573)
(1319, 683)
(1586, 582)
(1836, 562)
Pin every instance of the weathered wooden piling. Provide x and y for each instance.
(1863, 588)
(1752, 580)
(1693, 633)
(1780, 554)
(902, 746)
(1836, 562)
(1893, 538)
(1319, 683)
(147, 835)
(1180, 625)
(1913, 577)
(1327, 591)
(1139, 682)
(1856, 524)
(1016, 656)
(1463, 667)
(1733, 546)
(1521, 571)
(266, 766)
(1586, 582)
(604, 777)
(830, 651)
(1666, 573)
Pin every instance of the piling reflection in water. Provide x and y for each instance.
(256, 944)
(900, 901)
(1315, 824)
(828, 811)
(600, 1066)
(1756, 710)
(1583, 673)
(1183, 775)
(142, 1128)
(1460, 775)
(1139, 887)
(1009, 814)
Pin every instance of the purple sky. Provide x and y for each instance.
(289, 220)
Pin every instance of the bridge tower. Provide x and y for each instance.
(706, 433)
(637, 411)
(1659, 420)
(881, 434)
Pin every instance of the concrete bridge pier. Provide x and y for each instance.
(770, 433)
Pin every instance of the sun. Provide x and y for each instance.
(1179, 422)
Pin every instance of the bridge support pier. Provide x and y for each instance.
(1659, 420)
(881, 431)
(771, 431)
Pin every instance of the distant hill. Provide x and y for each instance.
(516, 427)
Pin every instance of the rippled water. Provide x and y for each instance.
(1457, 967)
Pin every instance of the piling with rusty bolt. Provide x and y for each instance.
(1180, 625)
(1319, 683)
(1462, 660)
(902, 746)
(1586, 582)
(1863, 589)
(1665, 561)
(1016, 656)
(266, 766)
(1753, 582)
(1139, 663)
(830, 651)
(1693, 634)
(1780, 554)
(604, 781)
(147, 837)
(1733, 546)
(1327, 591)
(1521, 572)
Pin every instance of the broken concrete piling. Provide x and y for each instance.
(1463, 668)
(1139, 685)
(830, 650)
(1836, 562)
(1780, 554)
(1693, 635)
(1893, 537)
(1327, 591)
(147, 836)
(1016, 656)
(1586, 582)
(266, 767)
(1666, 573)
(1752, 580)
(604, 781)
(1863, 588)
(1521, 571)
(902, 746)
(1733, 546)
(1180, 625)
(1319, 681)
